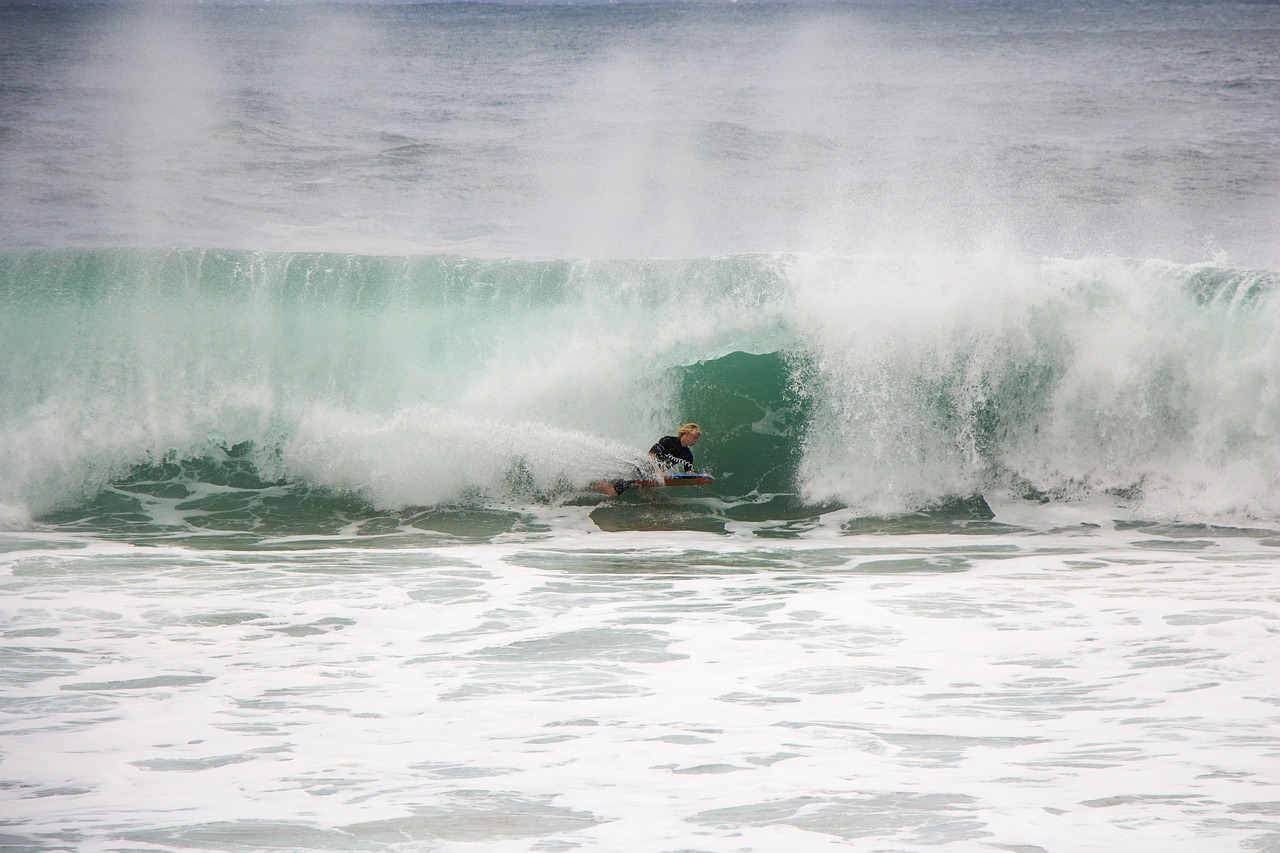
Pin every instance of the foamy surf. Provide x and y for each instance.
(1089, 679)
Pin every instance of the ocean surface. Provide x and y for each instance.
(317, 321)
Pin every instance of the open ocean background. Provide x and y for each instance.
(317, 320)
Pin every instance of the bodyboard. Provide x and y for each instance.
(678, 480)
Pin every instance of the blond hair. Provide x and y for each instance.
(688, 428)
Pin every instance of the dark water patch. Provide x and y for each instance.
(1196, 531)
(253, 544)
(616, 563)
(474, 816)
(1084, 528)
(226, 542)
(941, 750)
(297, 513)
(699, 562)
(914, 565)
(563, 679)
(168, 490)
(32, 844)
(321, 626)
(233, 467)
(22, 543)
(249, 515)
(191, 765)
(461, 771)
(219, 499)
(110, 511)
(1143, 800)
(1153, 657)
(700, 769)
(612, 644)
(141, 683)
(815, 561)
(242, 835)
(1166, 545)
(340, 561)
(780, 507)
(1271, 808)
(963, 516)
(51, 712)
(61, 791)
(653, 563)
(834, 680)
(790, 530)
(473, 524)
(20, 665)
(911, 818)
(758, 700)
(380, 526)
(617, 518)
(31, 632)
(220, 619)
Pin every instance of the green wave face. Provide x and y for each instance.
(244, 391)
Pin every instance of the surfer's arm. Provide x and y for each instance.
(666, 460)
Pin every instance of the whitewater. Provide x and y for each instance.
(317, 321)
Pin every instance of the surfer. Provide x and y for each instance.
(671, 452)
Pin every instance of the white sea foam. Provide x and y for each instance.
(1083, 679)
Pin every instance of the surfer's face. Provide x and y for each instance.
(690, 438)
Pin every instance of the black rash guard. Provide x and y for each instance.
(672, 453)
(669, 452)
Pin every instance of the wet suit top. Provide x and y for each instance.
(672, 453)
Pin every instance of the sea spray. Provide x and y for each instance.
(942, 376)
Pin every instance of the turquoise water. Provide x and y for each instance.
(318, 320)
(361, 389)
